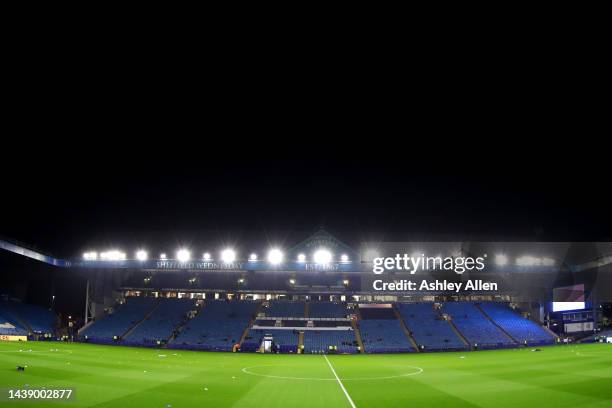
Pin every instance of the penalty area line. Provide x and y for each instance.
(339, 382)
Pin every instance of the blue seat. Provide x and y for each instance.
(218, 326)
(428, 329)
(521, 329)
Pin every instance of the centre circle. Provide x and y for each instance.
(252, 370)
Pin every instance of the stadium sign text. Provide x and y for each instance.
(203, 265)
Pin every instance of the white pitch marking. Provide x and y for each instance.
(339, 382)
(246, 370)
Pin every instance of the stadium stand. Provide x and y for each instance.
(319, 341)
(287, 340)
(120, 321)
(381, 332)
(327, 309)
(430, 331)
(25, 317)
(284, 308)
(218, 326)
(161, 324)
(475, 327)
(9, 327)
(521, 329)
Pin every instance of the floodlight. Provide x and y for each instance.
(501, 260)
(90, 256)
(228, 255)
(253, 257)
(141, 255)
(344, 258)
(183, 255)
(112, 255)
(528, 261)
(206, 256)
(292, 281)
(275, 256)
(301, 258)
(345, 282)
(162, 256)
(322, 256)
(241, 280)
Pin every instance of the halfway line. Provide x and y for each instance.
(339, 382)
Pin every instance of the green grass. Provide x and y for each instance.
(107, 376)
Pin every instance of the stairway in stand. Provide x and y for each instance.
(405, 328)
(355, 326)
(135, 325)
(495, 324)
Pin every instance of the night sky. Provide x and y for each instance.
(100, 151)
(250, 198)
(122, 201)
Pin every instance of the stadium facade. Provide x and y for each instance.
(318, 297)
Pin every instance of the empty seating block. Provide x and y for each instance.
(9, 326)
(319, 341)
(475, 327)
(284, 308)
(117, 323)
(384, 336)
(287, 340)
(218, 326)
(40, 319)
(327, 309)
(521, 329)
(428, 329)
(161, 324)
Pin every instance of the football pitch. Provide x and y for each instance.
(111, 376)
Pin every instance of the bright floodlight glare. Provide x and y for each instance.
(113, 255)
(253, 257)
(292, 281)
(345, 282)
(301, 258)
(501, 260)
(162, 256)
(344, 258)
(206, 256)
(228, 255)
(141, 255)
(528, 261)
(90, 256)
(183, 255)
(322, 256)
(275, 256)
(370, 254)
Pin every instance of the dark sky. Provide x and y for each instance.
(161, 200)
(162, 195)
(100, 152)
